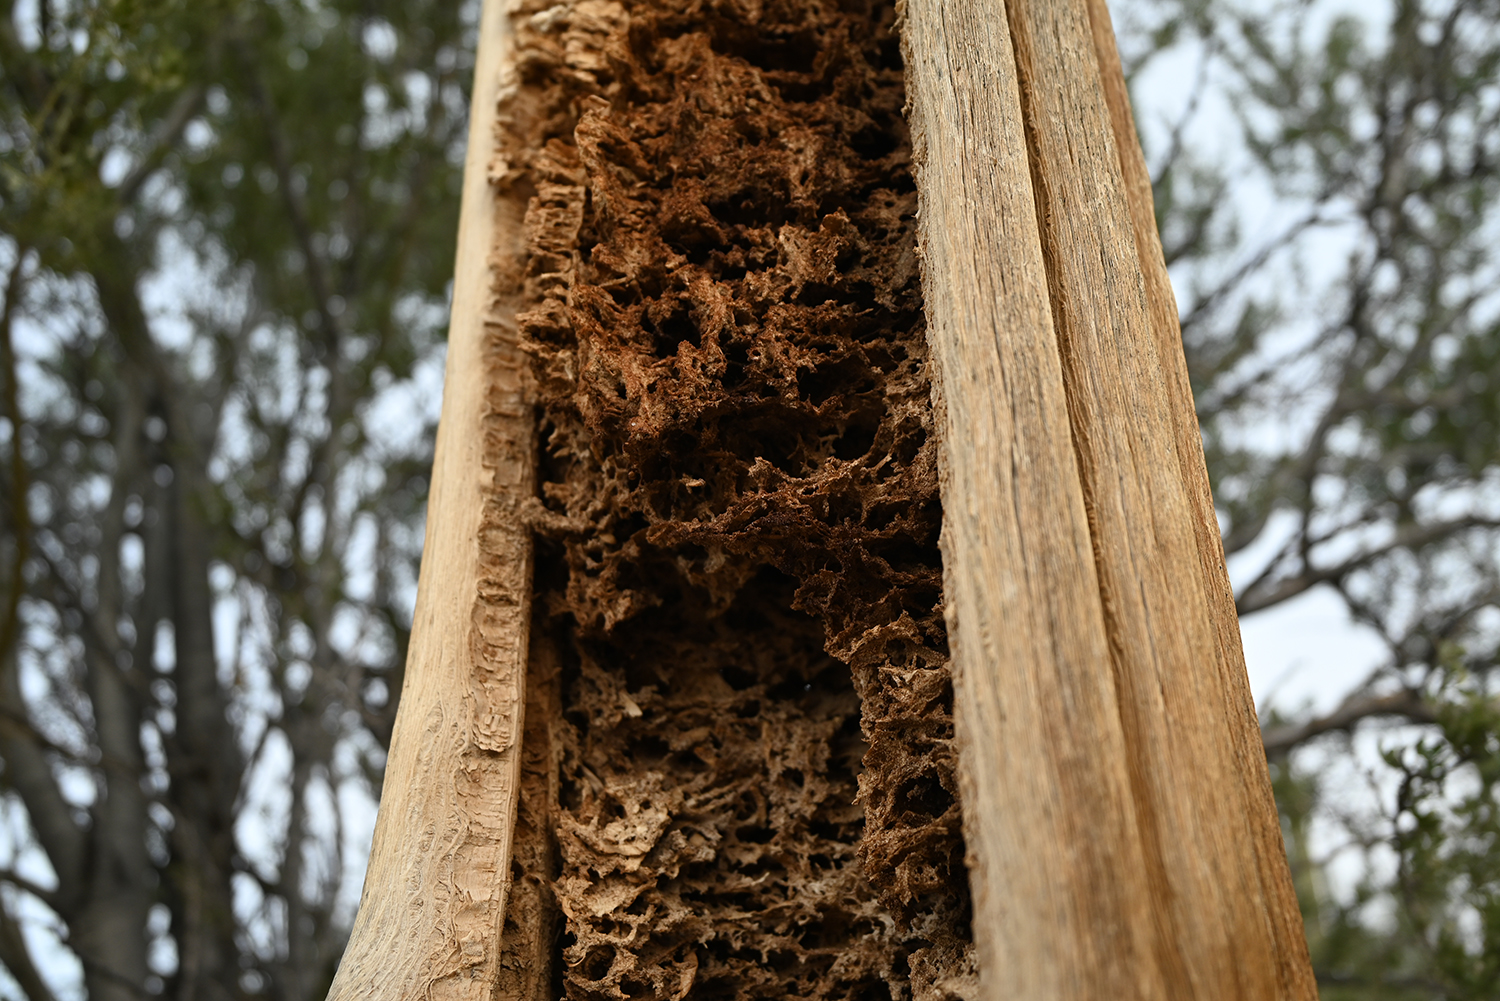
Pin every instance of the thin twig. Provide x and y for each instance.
(20, 485)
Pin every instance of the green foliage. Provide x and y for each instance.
(1423, 921)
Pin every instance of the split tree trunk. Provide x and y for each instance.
(1121, 833)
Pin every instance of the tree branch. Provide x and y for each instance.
(317, 275)
(10, 617)
(46, 896)
(1408, 537)
(1407, 703)
(163, 138)
(28, 773)
(1211, 299)
(17, 959)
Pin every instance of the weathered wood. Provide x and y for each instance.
(528, 941)
(1062, 908)
(430, 918)
(1236, 713)
(1017, 124)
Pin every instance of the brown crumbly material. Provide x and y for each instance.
(750, 790)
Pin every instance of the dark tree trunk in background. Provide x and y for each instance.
(208, 547)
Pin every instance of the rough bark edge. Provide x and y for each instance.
(434, 897)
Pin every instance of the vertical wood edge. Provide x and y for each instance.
(1294, 969)
(1055, 855)
(1197, 797)
(1019, 118)
(433, 902)
(1137, 513)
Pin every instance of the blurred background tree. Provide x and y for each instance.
(226, 230)
(226, 237)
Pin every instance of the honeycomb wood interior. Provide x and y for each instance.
(738, 583)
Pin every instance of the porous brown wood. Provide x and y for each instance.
(1024, 198)
(430, 916)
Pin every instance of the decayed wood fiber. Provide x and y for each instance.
(746, 785)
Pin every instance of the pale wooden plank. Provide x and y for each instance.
(1061, 902)
(1293, 966)
(430, 918)
(1201, 809)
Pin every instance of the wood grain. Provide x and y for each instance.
(1239, 718)
(1021, 119)
(1062, 908)
(430, 918)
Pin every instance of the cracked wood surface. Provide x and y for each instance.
(1117, 805)
(430, 916)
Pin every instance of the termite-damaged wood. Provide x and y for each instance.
(1120, 833)
(430, 916)
(756, 791)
